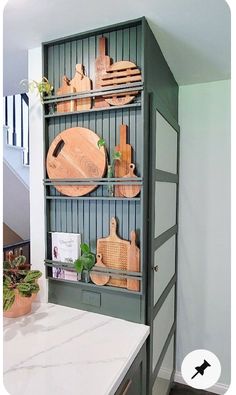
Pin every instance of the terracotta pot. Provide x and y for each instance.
(21, 306)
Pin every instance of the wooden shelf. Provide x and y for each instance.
(114, 272)
(62, 114)
(123, 88)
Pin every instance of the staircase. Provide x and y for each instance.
(16, 209)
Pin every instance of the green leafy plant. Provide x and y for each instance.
(43, 87)
(86, 261)
(116, 155)
(17, 279)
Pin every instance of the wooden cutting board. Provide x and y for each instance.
(123, 72)
(133, 263)
(99, 278)
(81, 83)
(115, 252)
(130, 191)
(69, 105)
(102, 63)
(122, 165)
(74, 154)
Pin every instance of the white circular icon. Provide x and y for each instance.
(201, 369)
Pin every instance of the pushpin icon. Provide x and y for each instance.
(201, 369)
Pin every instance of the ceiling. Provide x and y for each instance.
(194, 35)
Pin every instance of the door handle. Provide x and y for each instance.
(156, 268)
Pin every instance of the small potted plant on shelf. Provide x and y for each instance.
(43, 88)
(19, 287)
(116, 155)
(85, 263)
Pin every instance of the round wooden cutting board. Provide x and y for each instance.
(74, 154)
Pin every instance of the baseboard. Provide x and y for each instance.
(218, 388)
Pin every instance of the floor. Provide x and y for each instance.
(179, 389)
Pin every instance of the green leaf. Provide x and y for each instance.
(32, 275)
(88, 261)
(78, 264)
(23, 272)
(101, 143)
(24, 288)
(116, 155)
(6, 265)
(34, 288)
(8, 298)
(19, 260)
(6, 280)
(85, 248)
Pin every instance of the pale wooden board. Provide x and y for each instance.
(115, 252)
(123, 72)
(102, 63)
(81, 83)
(68, 105)
(118, 81)
(119, 74)
(130, 191)
(122, 65)
(133, 263)
(122, 165)
(74, 154)
(99, 278)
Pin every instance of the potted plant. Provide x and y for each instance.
(43, 88)
(19, 287)
(85, 263)
(116, 155)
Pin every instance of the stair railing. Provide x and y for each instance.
(16, 118)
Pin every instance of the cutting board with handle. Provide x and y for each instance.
(99, 278)
(74, 154)
(81, 83)
(123, 72)
(68, 105)
(122, 166)
(130, 191)
(115, 253)
(133, 263)
(102, 63)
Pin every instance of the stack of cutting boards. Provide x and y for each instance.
(106, 75)
(116, 253)
(79, 83)
(111, 75)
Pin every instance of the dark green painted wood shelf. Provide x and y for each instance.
(90, 215)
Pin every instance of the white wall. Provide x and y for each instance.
(37, 236)
(204, 223)
(16, 202)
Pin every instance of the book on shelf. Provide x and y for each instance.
(66, 249)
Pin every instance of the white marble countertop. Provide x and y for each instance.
(58, 350)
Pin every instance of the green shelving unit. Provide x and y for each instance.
(153, 132)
